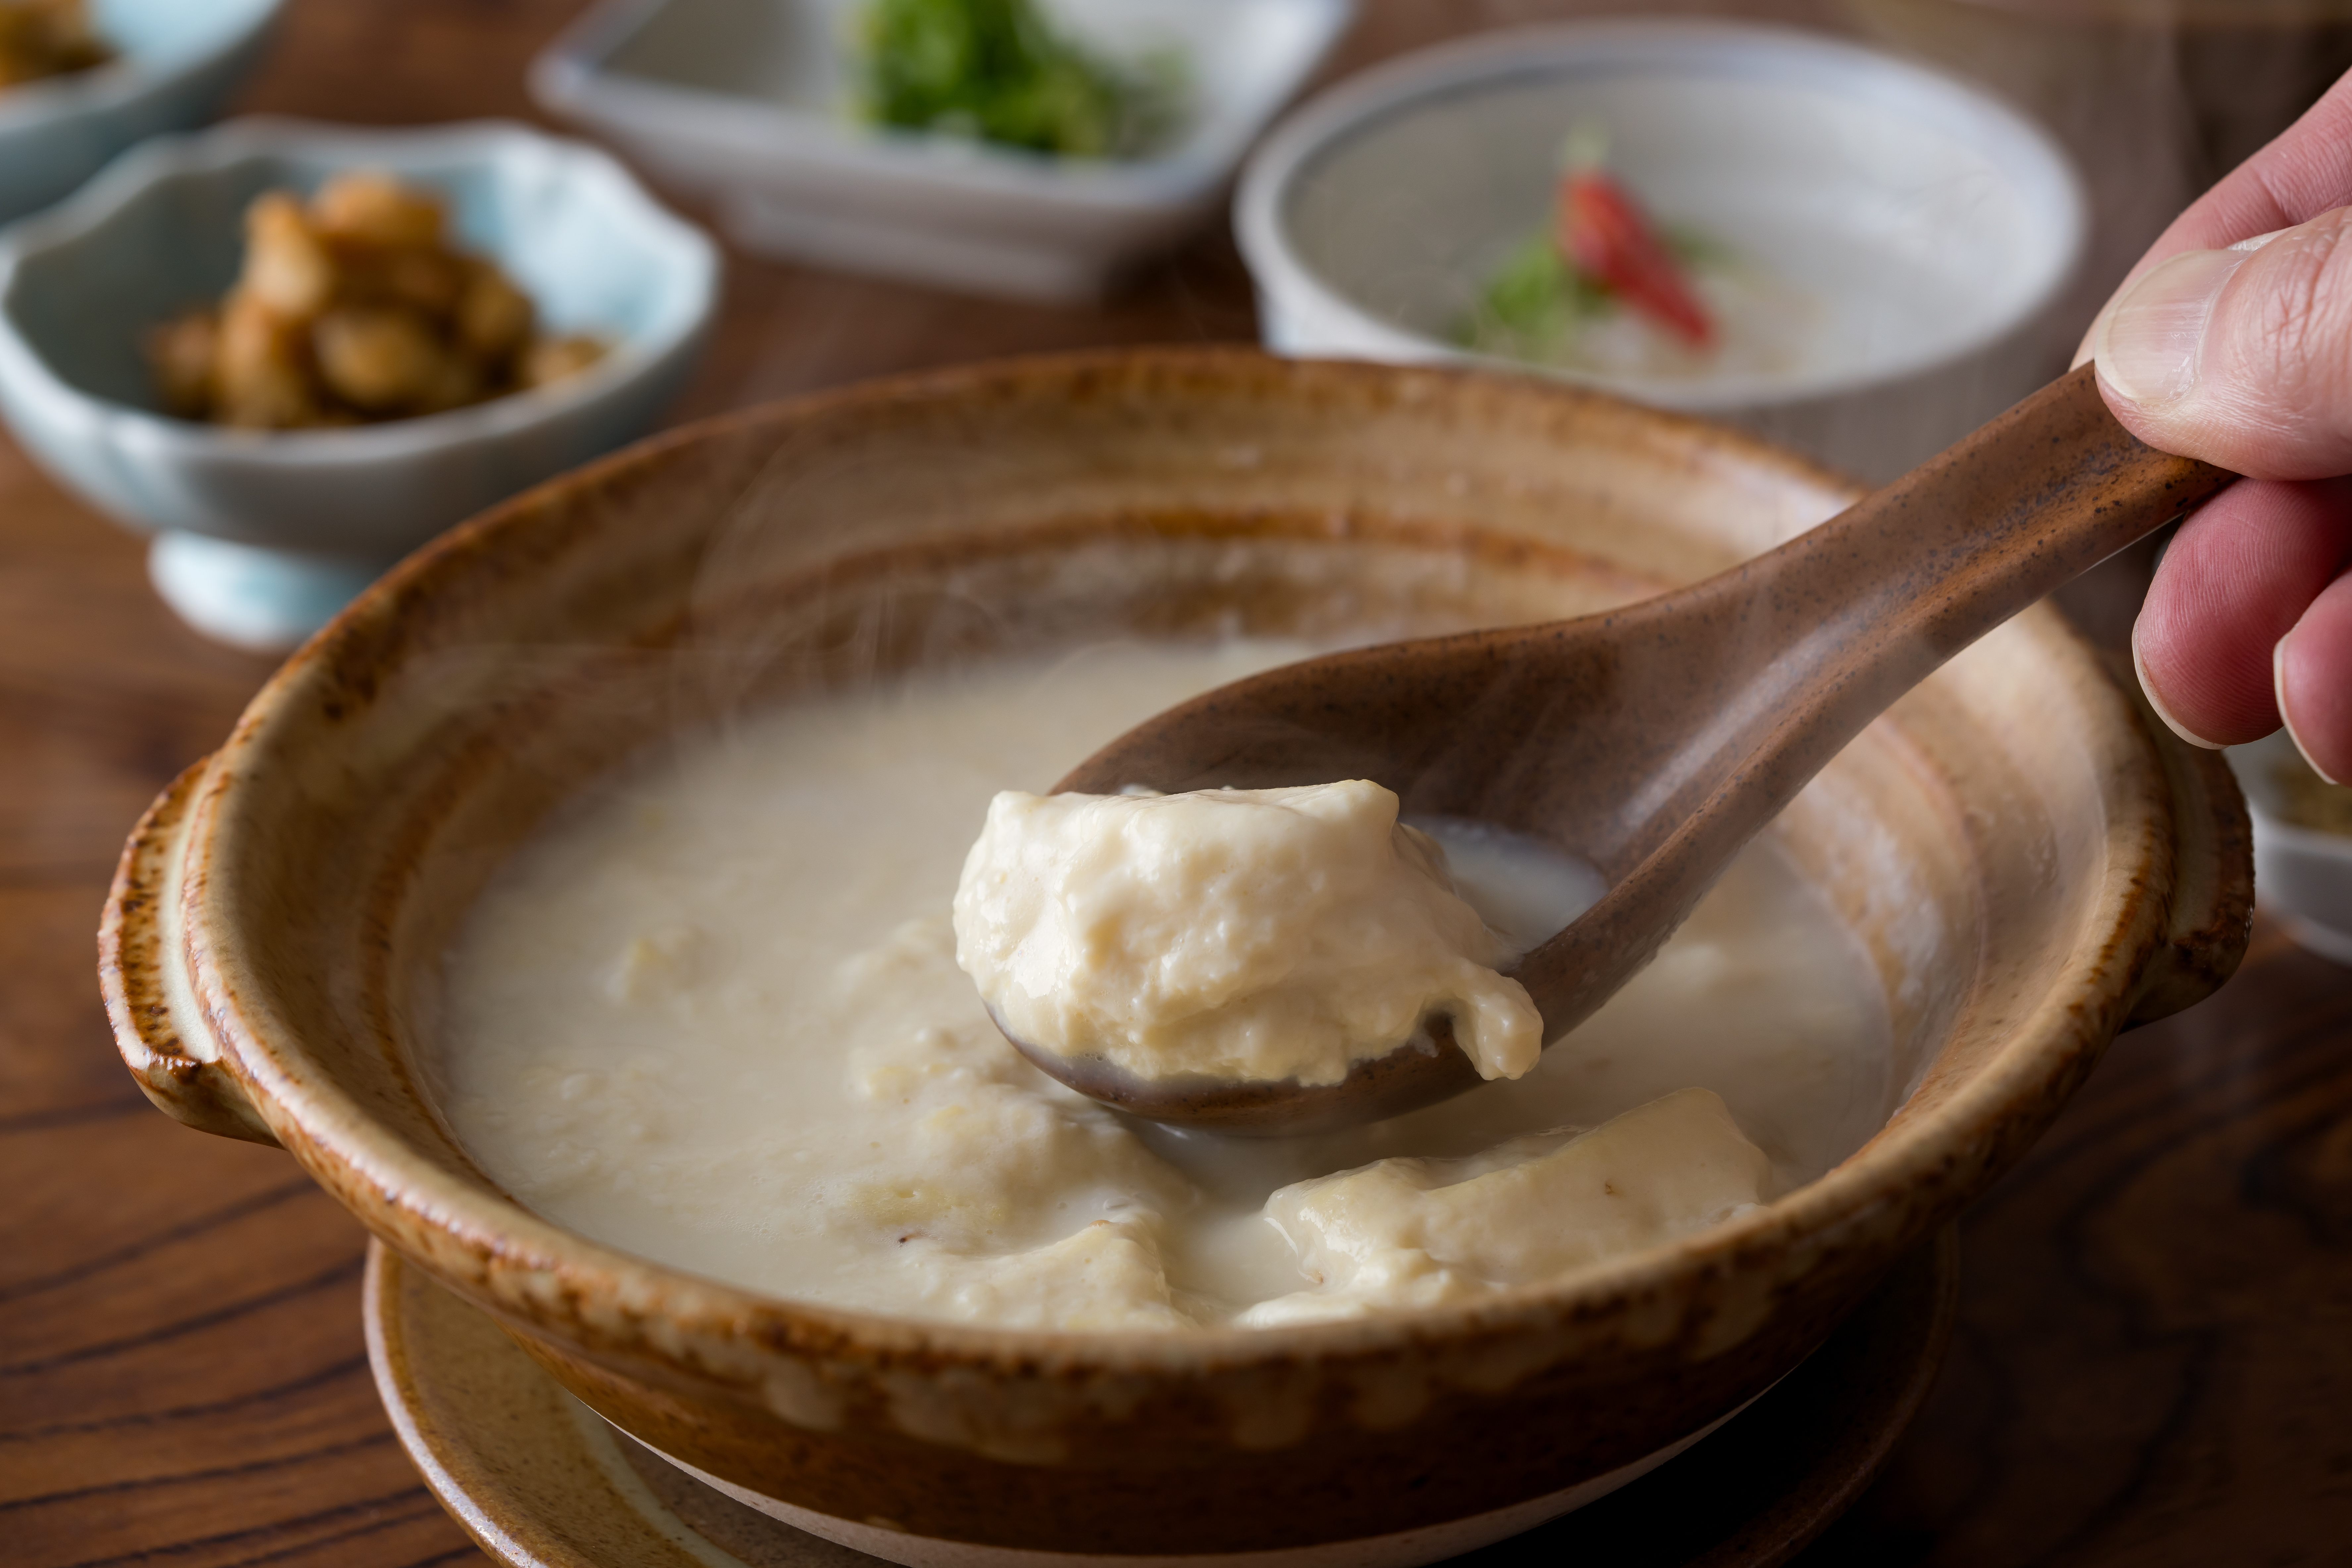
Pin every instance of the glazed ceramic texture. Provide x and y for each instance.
(751, 103)
(263, 535)
(2305, 873)
(2032, 863)
(1919, 227)
(176, 63)
(541, 1483)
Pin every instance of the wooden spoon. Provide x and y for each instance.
(1655, 741)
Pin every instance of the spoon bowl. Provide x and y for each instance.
(1654, 741)
(1423, 1070)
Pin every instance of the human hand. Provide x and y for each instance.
(2232, 342)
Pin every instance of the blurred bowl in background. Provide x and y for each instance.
(2228, 75)
(261, 536)
(176, 63)
(750, 102)
(2155, 99)
(1927, 227)
(2303, 874)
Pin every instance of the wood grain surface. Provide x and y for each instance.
(2154, 1360)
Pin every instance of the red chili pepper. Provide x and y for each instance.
(1603, 231)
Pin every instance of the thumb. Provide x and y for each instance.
(2241, 357)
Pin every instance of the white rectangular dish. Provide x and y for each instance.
(2302, 875)
(750, 102)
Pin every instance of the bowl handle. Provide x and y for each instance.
(139, 961)
(2212, 910)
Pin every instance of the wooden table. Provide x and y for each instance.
(2154, 1359)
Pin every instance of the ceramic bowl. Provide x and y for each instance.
(2032, 862)
(261, 536)
(2305, 875)
(2220, 77)
(747, 101)
(2157, 100)
(1924, 228)
(175, 64)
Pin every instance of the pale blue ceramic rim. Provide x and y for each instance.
(179, 60)
(72, 389)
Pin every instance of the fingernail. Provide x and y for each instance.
(2156, 700)
(2148, 346)
(2287, 714)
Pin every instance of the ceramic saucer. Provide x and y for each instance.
(542, 1482)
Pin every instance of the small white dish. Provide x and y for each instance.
(175, 62)
(748, 102)
(1929, 226)
(2303, 877)
(261, 536)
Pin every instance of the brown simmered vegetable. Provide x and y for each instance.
(493, 317)
(385, 359)
(370, 209)
(552, 359)
(42, 39)
(351, 307)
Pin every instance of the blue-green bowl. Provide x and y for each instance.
(176, 63)
(262, 536)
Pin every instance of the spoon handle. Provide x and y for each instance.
(1918, 571)
(1834, 626)
(1779, 662)
(1753, 679)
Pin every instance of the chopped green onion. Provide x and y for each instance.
(1534, 304)
(996, 70)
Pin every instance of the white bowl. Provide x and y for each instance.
(175, 61)
(748, 102)
(2303, 877)
(1931, 225)
(261, 536)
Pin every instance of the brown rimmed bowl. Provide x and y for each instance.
(2033, 863)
